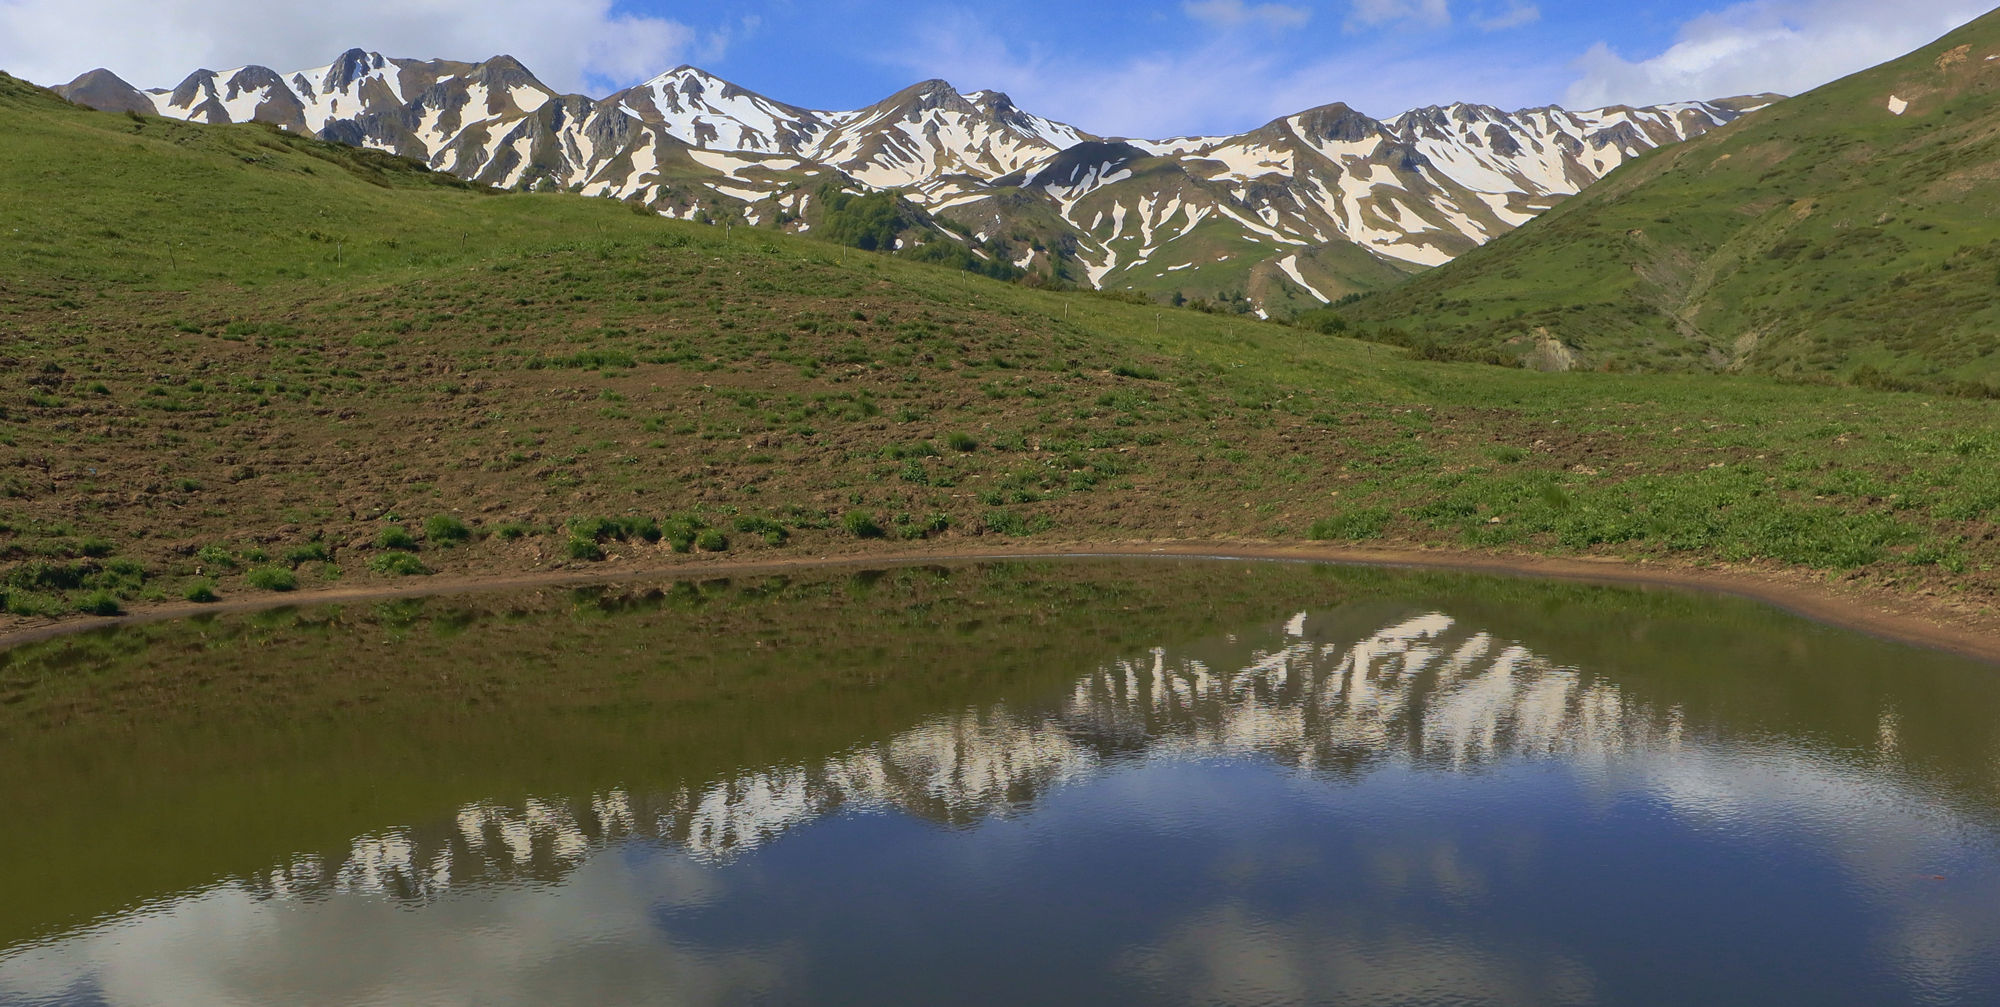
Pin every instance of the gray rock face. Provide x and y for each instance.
(106, 92)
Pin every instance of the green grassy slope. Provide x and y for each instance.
(200, 391)
(1821, 236)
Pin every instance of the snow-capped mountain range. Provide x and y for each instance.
(1302, 210)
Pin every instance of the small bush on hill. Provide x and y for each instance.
(311, 552)
(400, 564)
(861, 524)
(271, 578)
(444, 529)
(100, 603)
(773, 532)
(1352, 526)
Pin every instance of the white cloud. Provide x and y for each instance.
(1236, 13)
(1516, 15)
(1225, 83)
(1788, 46)
(576, 46)
(1369, 13)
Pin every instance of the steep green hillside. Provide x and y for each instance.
(239, 362)
(1824, 236)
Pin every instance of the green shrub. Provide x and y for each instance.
(400, 564)
(511, 530)
(100, 603)
(271, 578)
(585, 548)
(216, 556)
(202, 592)
(962, 442)
(861, 524)
(95, 547)
(396, 537)
(444, 529)
(713, 540)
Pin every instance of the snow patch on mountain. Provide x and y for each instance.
(1415, 190)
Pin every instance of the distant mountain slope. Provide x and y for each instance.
(1855, 226)
(1295, 214)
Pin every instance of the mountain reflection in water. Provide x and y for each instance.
(1306, 808)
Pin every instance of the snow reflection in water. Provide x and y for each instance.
(1426, 692)
(1424, 698)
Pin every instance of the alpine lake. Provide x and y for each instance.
(1074, 781)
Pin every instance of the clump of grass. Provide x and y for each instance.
(713, 540)
(682, 530)
(444, 529)
(913, 528)
(216, 556)
(95, 547)
(100, 602)
(584, 549)
(510, 531)
(45, 576)
(396, 537)
(1352, 526)
(773, 532)
(400, 564)
(962, 442)
(1006, 522)
(623, 529)
(33, 603)
(271, 578)
(201, 592)
(861, 524)
(1506, 454)
(311, 552)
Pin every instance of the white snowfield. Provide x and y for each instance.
(1415, 191)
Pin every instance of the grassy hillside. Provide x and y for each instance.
(237, 361)
(1824, 237)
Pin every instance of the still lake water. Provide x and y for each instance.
(1048, 782)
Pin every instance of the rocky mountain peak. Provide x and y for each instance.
(1337, 123)
(505, 73)
(928, 96)
(193, 88)
(1409, 193)
(106, 91)
(352, 65)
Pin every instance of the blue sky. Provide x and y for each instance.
(1122, 57)
(1116, 67)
